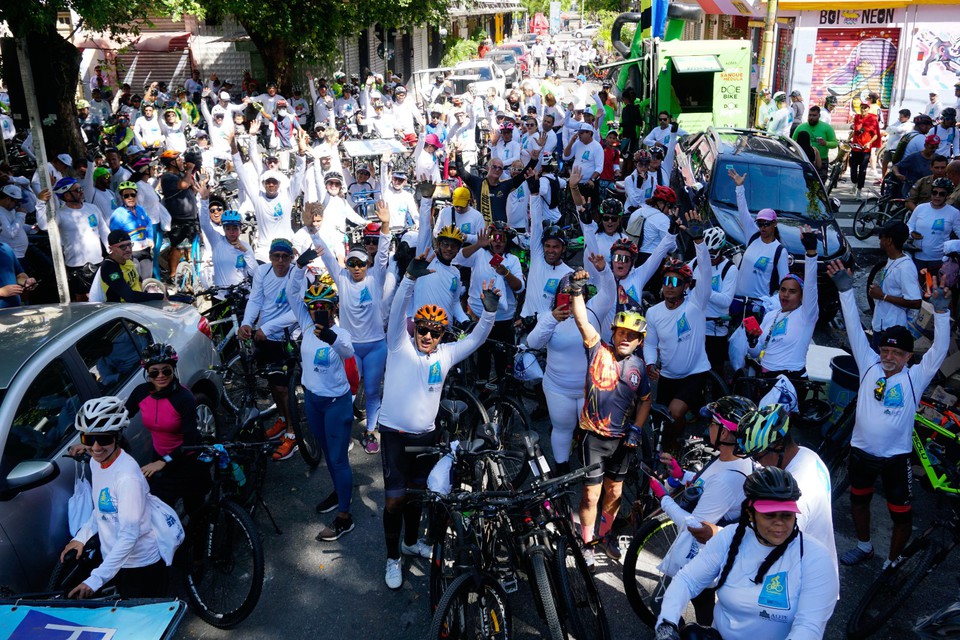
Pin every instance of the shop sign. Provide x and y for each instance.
(848, 17)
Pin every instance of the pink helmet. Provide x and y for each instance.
(433, 140)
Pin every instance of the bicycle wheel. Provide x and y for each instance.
(635, 498)
(242, 389)
(582, 606)
(835, 172)
(892, 588)
(474, 607)
(545, 594)
(183, 278)
(76, 568)
(306, 441)
(865, 219)
(473, 414)
(443, 570)
(835, 449)
(513, 421)
(642, 580)
(224, 564)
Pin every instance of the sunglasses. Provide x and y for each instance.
(280, 256)
(354, 263)
(498, 237)
(530, 125)
(610, 218)
(495, 167)
(671, 281)
(129, 195)
(166, 372)
(103, 439)
(938, 192)
(763, 224)
(123, 245)
(622, 257)
(215, 209)
(335, 185)
(433, 333)
(880, 388)
(664, 119)
(371, 240)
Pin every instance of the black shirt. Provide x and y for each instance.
(181, 203)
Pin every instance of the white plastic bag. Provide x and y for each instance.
(783, 392)
(737, 349)
(80, 505)
(166, 527)
(526, 368)
(440, 480)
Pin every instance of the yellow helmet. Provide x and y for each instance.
(451, 232)
(631, 320)
(327, 280)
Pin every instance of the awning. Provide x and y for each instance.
(753, 8)
(696, 64)
(485, 8)
(158, 42)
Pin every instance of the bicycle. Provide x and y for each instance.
(836, 171)
(876, 212)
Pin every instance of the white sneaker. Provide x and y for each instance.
(421, 548)
(394, 575)
(859, 194)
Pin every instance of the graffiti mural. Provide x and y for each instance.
(937, 63)
(848, 62)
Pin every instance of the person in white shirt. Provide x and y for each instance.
(651, 221)
(635, 183)
(895, 289)
(233, 260)
(782, 117)
(173, 131)
(502, 145)
(405, 112)
(934, 107)
(948, 132)
(461, 215)
(887, 400)
(403, 208)
(587, 156)
(773, 581)
(609, 231)
(894, 133)
(723, 283)
(147, 128)
(931, 224)
(346, 106)
(462, 135)
(546, 261)
(301, 108)
(665, 135)
(268, 100)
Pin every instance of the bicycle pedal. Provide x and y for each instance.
(509, 584)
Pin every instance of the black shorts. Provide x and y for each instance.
(182, 231)
(689, 389)
(896, 474)
(269, 353)
(402, 470)
(610, 452)
(80, 279)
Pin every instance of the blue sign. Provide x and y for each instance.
(141, 622)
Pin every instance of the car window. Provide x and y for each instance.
(484, 73)
(785, 189)
(112, 353)
(44, 420)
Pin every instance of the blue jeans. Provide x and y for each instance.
(157, 241)
(371, 362)
(330, 420)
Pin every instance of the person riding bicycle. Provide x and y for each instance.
(118, 279)
(921, 190)
(233, 260)
(896, 288)
(412, 388)
(676, 331)
(132, 218)
(723, 283)
(720, 488)
(887, 399)
(120, 514)
(931, 224)
(773, 582)
(780, 346)
(764, 262)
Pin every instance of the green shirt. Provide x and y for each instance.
(822, 130)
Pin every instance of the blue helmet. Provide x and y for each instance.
(63, 185)
(230, 217)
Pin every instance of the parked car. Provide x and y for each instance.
(780, 177)
(588, 30)
(482, 74)
(57, 357)
(507, 60)
(529, 39)
(523, 54)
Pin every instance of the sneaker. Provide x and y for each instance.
(286, 449)
(370, 443)
(394, 574)
(854, 556)
(328, 504)
(590, 559)
(859, 194)
(277, 430)
(610, 545)
(340, 527)
(421, 548)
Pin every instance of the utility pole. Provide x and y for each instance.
(766, 55)
(33, 113)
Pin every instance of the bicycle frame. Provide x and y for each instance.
(931, 453)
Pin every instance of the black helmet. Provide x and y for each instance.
(948, 114)
(333, 175)
(728, 411)
(611, 207)
(830, 100)
(771, 483)
(942, 183)
(158, 353)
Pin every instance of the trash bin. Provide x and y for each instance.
(844, 383)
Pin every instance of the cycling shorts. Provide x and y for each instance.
(611, 453)
(689, 389)
(182, 231)
(402, 470)
(896, 474)
(273, 354)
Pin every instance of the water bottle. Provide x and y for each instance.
(238, 474)
(223, 458)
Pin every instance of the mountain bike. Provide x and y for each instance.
(836, 171)
(876, 212)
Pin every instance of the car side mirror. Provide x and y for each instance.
(27, 475)
(835, 203)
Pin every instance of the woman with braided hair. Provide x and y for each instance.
(773, 583)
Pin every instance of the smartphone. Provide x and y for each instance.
(563, 300)
(496, 260)
(321, 318)
(751, 325)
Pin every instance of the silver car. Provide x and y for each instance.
(55, 357)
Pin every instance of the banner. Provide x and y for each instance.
(90, 620)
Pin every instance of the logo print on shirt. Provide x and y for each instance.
(779, 329)
(277, 211)
(453, 284)
(586, 155)
(762, 263)
(937, 224)
(322, 357)
(106, 503)
(715, 282)
(683, 326)
(551, 286)
(92, 220)
(364, 295)
(893, 397)
(241, 262)
(774, 593)
(282, 298)
(433, 377)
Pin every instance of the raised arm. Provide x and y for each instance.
(859, 345)
(645, 271)
(296, 182)
(579, 308)
(747, 222)
(810, 303)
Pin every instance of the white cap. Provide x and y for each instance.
(587, 127)
(271, 175)
(224, 95)
(13, 191)
(65, 159)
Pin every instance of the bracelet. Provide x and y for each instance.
(167, 459)
(884, 297)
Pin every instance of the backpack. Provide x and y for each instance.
(902, 146)
(554, 200)
(775, 276)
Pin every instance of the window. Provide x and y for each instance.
(44, 420)
(112, 353)
(783, 188)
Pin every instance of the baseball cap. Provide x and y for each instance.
(13, 191)
(271, 175)
(117, 236)
(776, 506)
(359, 254)
(932, 140)
(281, 244)
(586, 127)
(65, 159)
(582, 78)
(767, 214)
(898, 337)
(224, 95)
(461, 197)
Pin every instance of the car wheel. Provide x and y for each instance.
(207, 420)
(578, 35)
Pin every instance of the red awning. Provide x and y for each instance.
(161, 42)
(733, 7)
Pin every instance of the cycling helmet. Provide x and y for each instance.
(942, 183)
(714, 238)
(623, 244)
(643, 156)
(507, 125)
(779, 96)
(658, 151)
(771, 483)
(501, 228)
(139, 165)
(451, 232)
(231, 217)
(83, 104)
(681, 268)
(64, 185)
(611, 207)
(629, 319)
(796, 94)
(127, 186)
(760, 429)
(948, 114)
(333, 176)
(169, 154)
(102, 415)
(830, 101)
(158, 353)
(943, 623)
(320, 293)
(666, 194)
(554, 232)
(432, 314)
(922, 119)
(728, 411)
(372, 230)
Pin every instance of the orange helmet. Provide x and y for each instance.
(170, 153)
(433, 314)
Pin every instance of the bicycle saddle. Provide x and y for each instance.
(455, 408)
(486, 439)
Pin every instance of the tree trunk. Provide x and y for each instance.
(277, 54)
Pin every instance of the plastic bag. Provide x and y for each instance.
(737, 349)
(166, 527)
(440, 479)
(80, 505)
(526, 368)
(784, 393)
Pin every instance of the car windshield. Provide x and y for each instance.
(787, 189)
(504, 58)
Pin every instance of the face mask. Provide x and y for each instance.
(282, 112)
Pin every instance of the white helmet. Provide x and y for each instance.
(714, 238)
(779, 96)
(526, 368)
(102, 415)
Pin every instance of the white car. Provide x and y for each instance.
(482, 74)
(588, 30)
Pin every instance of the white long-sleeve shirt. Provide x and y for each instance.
(13, 230)
(230, 264)
(816, 500)
(273, 214)
(360, 310)
(482, 271)
(403, 208)
(542, 278)
(723, 284)
(666, 137)
(268, 305)
(586, 157)
(82, 232)
(757, 263)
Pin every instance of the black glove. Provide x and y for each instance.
(674, 227)
(667, 631)
(576, 286)
(694, 229)
(809, 240)
(752, 339)
(181, 297)
(307, 257)
(490, 300)
(327, 335)
(417, 268)
(843, 280)
(533, 183)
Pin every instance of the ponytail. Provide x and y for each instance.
(775, 555)
(735, 544)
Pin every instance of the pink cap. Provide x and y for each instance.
(776, 506)
(433, 140)
(767, 214)
(932, 139)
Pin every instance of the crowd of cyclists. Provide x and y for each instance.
(484, 248)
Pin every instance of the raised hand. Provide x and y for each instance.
(575, 175)
(490, 296)
(809, 238)
(738, 179)
(841, 276)
(383, 213)
(598, 261)
(483, 238)
(418, 266)
(693, 226)
(939, 295)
